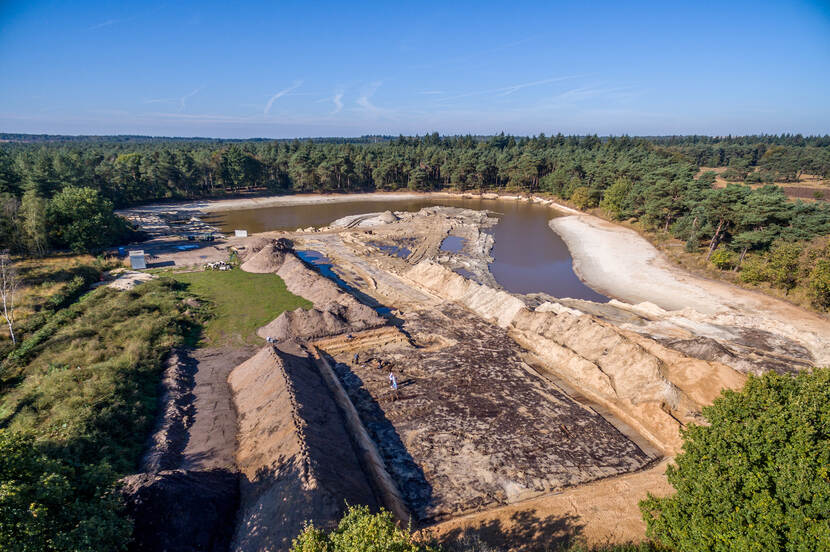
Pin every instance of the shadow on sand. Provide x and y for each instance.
(523, 531)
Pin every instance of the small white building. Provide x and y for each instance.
(240, 233)
(137, 259)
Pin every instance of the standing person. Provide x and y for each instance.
(393, 383)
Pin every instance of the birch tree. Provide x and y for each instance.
(9, 282)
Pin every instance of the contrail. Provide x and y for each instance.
(280, 94)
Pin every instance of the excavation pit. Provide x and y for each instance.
(472, 426)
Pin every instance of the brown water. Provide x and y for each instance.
(528, 256)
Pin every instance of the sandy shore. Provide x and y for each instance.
(624, 265)
(236, 204)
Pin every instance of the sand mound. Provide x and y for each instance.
(295, 456)
(128, 279)
(387, 217)
(330, 319)
(267, 260)
(491, 304)
(335, 311)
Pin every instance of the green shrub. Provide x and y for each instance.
(723, 259)
(758, 477)
(819, 284)
(51, 504)
(754, 271)
(360, 531)
(783, 266)
(583, 198)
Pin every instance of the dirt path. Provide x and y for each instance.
(212, 435)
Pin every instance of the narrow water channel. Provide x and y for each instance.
(528, 256)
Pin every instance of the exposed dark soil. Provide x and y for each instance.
(471, 425)
(182, 511)
(212, 442)
(197, 421)
(187, 497)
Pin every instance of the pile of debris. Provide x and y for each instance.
(219, 265)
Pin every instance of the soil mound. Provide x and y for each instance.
(296, 459)
(182, 511)
(387, 217)
(334, 312)
(266, 260)
(170, 438)
(305, 282)
(330, 319)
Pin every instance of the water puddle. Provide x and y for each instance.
(453, 244)
(393, 250)
(467, 274)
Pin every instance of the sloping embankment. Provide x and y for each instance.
(654, 389)
(294, 454)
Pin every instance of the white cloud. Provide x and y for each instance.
(338, 102)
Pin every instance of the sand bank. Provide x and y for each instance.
(622, 264)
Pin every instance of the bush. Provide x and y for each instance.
(583, 198)
(758, 477)
(754, 271)
(53, 504)
(783, 265)
(819, 284)
(723, 259)
(360, 531)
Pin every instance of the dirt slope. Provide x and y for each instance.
(294, 454)
(334, 312)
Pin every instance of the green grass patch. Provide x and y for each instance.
(240, 302)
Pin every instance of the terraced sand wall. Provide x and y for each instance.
(654, 389)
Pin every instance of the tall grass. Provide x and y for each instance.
(88, 377)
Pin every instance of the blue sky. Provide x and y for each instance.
(294, 69)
